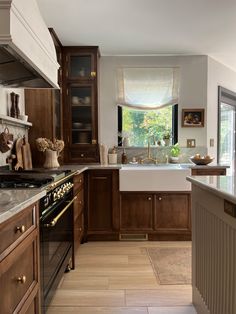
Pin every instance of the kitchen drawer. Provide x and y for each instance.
(78, 183)
(19, 275)
(79, 204)
(208, 172)
(14, 230)
(80, 155)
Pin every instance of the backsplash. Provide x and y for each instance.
(160, 153)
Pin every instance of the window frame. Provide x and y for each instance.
(228, 97)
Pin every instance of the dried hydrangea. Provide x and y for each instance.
(43, 143)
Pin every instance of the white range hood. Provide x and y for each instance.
(27, 53)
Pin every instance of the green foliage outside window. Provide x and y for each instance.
(140, 124)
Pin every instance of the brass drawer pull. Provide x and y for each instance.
(21, 229)
(159, 198)
(149, 198)
(22, 279)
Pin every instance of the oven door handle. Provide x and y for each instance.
(55, 220)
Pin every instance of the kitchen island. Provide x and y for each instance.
(214, 244)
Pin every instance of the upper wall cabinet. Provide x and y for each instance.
(80, 104)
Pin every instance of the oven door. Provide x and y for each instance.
(56, 238)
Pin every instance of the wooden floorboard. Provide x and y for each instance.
(118, 278)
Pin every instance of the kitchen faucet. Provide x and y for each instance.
(149, 156)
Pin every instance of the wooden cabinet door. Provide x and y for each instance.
(172, 212)
(208, 172)
(100, 200)
(136, 212)
(19, 275)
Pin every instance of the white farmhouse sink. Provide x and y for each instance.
(154, 178)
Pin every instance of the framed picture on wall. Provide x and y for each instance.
(193, 118)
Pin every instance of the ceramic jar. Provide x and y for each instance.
(51, 159)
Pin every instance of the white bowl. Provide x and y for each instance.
(77, 125)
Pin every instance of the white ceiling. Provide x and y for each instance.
(147, 27)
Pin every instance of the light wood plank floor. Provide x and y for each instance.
(117, 278)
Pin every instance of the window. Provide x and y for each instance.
(147, 99)
(226, 128)
(139, 125)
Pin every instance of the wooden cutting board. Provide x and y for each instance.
(19, 157)
(26, 155)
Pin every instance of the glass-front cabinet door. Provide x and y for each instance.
(81, 100)
(81, 66)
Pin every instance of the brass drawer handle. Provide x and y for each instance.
(149, 198)
(22, 279)
(159, 198)
(21, 229)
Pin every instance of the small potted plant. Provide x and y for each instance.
(174, 153)
(166, 138)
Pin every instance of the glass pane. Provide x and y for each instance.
(227, 135)
(139, 125)
(81, 115)
(80, 66)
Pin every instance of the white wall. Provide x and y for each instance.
(193, 91)
(5, 102)
(218, 75)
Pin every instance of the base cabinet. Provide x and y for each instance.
(136, 212)
(162, 216)
(172, 214)
(102, 220)
(19, 264)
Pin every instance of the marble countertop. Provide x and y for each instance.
(222, 186)
(13, 201)
(82, 168)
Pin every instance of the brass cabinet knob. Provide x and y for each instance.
(80, 229)
(80, 181)
(20, 228)
(80, 202)
(159, 198)
(81, 155)
(93, 74)
(149, 198)
(22, 279)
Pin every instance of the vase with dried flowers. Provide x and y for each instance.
(52, 150)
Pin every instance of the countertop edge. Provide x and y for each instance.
(206, 186)
(16, 208)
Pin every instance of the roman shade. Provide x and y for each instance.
(148, 88)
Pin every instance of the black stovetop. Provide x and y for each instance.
(35, 178)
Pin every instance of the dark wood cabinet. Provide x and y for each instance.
(136, 212)
(80, 104)
(78, 191)
(19, 263)
(161, 216)
(102, 219)
(172, 213)
(44, 110)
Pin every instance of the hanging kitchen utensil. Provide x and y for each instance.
(19, 157)
(6, 139)
(26, 155)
